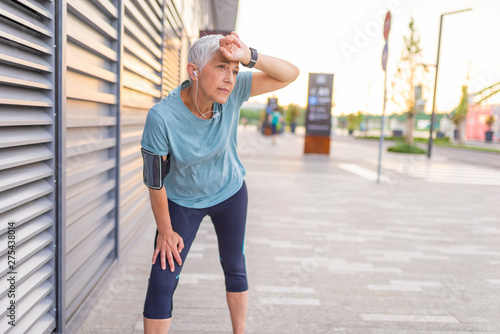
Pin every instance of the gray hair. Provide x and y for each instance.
(203, 50)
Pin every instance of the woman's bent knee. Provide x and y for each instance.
(159, 296)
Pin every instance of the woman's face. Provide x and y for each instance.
(218, 78)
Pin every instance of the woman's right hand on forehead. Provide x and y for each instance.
(234, 49)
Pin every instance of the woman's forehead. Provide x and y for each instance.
(218, 57)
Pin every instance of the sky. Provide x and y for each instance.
(346, 38)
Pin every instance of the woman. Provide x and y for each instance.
(195, 128)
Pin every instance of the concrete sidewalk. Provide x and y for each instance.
(329, 250)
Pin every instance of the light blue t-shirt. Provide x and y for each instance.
(204, 166)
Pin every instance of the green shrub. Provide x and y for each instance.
(444, 140)
(402, 147)
(377, 137)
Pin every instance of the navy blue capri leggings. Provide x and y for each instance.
(229, 219)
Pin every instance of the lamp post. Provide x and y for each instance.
(436, 78)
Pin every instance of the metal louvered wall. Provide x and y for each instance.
(77, 78)
(172, 47)
(91, 145)
(142, 41)
(148, 74)
(27, 149)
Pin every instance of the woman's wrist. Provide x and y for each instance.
(166, 229)
(254, 55)
(247, 59)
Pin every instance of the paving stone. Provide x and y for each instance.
(328, 250)
(100, 331)
(111, 321)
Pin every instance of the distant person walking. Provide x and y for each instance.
(189, 154)
(276, 120)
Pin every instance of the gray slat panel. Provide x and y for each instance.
(23, 19)
(15, 117)
(15, 177)
(43, 325)
(84, 146)
(36, 9)
(79, 202)
(19, 156)
(91, 70)
(85, 12)
(130, 155)
(24, 39)
(94, 271)
(79, 255)
(151, 17)
(15, 197)
(141, 37)
(27, 231)
(136, 215)
(81, 39)
(29, 266)
(24, 97)
(130, 64)
(26, 212)
(106, 8)
(171, 52)
(18, 136)
(23, 59)
(141, 53)
(89, 225)
(132, 11)
(172, 16)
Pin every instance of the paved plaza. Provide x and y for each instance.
(329, 250)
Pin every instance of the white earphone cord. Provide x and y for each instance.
(195, 97)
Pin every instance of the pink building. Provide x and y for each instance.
(475, 126)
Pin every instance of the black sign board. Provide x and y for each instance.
(214, 32)
(319, 104)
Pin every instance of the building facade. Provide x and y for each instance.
(76, 81)
(475, 124)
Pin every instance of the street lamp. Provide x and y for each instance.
(436, 78)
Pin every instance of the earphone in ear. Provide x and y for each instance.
(196, 74)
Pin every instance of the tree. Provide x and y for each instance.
(353, 121)
(409, 74)
(292, 113)
(342, 121)
(460, 114)
(359, 119)
(490, 120)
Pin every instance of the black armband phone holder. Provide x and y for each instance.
(154, 169)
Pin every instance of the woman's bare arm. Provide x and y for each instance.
(168, 244)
